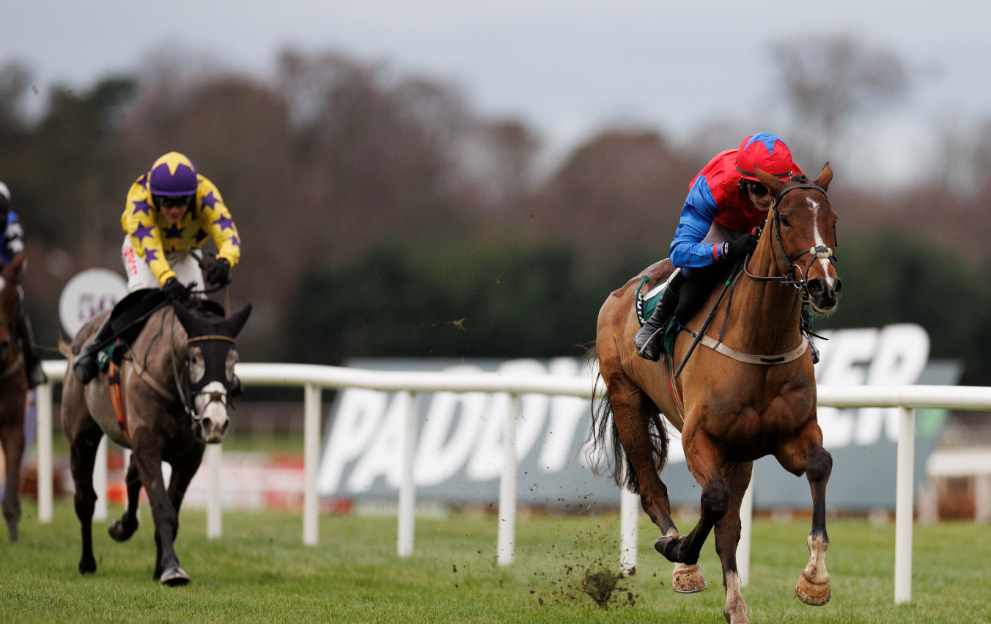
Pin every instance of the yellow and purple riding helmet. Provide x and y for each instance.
(173, 175)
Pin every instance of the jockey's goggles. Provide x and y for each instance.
(164, 201)
(756, 188)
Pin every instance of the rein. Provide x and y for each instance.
(818, 253)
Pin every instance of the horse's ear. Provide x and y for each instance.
(772, 183)
(237, 320)
(825, 177)
(189, 321)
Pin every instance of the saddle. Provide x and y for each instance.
(131, 313)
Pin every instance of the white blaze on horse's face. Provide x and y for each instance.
(211, 406)
(826, 266)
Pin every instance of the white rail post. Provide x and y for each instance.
(903, 505)
(311, 445)
(43, 399)
(100, 481)
(746, 528)
(629, 514)
(407, 486)
(507, 485)
(214, 505)
(982, 498)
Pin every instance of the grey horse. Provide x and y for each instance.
(175, 383)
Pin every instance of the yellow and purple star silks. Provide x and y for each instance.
(152, 236)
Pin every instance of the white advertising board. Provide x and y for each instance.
(86, 295)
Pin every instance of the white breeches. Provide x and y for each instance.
(139, 276)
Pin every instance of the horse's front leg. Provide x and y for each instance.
(705, 463)
(122, 530)
(727, 540)
(183, 471)
(805, 453)
(148, 451)
(12, 437)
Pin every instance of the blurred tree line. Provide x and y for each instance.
(380, 215)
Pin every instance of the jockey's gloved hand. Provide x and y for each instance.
(175, 291)
(741, 246)
(219, 272)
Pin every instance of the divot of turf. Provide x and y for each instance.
(599, 584)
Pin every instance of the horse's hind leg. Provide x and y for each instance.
(632, 411)
(83, 458)
(806, 454)
(727, 540)
(13, 450)
(122, 530)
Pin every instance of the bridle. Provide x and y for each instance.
(820, 252)
(185, 387)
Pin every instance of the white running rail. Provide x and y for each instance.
(314, 378)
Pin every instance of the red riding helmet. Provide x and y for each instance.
(767, 151)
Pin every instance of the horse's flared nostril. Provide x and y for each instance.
(837, 287)
(817, 287)
(224, 429)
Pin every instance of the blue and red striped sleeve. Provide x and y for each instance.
(697, 216)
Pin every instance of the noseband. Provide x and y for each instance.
(818, 253)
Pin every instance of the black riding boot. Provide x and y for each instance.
(86, 366)
(32, 362)
(648, 339)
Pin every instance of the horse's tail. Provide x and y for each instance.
(603, 444)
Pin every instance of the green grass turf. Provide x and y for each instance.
(260, 571)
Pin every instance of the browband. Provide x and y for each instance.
(212, 337)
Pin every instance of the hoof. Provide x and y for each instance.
(667, 545)
(687, 579)
(121, 532)
(87, 566)
(175, 577)
(812, 592)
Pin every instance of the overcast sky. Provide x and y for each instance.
(566, 67)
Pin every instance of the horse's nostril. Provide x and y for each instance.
(226, 425)
(206, 424)
(837, 287)
(816, 287)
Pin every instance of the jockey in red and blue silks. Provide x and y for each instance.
(725, 204)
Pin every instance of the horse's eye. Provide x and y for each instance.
(784, 220)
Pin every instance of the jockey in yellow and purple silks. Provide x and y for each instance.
(725, 204)
(171, 211)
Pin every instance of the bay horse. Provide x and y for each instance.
(734, 411)
(174, 387)
(13, 394)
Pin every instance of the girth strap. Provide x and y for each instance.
(746, 358)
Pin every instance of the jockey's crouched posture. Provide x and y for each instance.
(170, 211)
(13, 244)
(725, 205)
